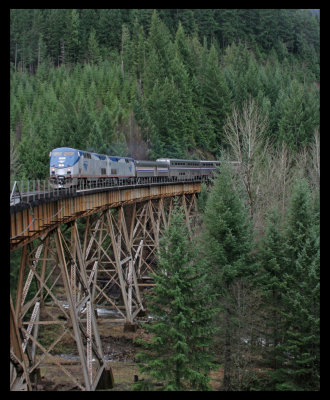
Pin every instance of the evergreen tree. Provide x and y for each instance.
(70, 46)
(89, 20)
(227, 27)
(242, 73)
(34, 155)
(14, 165)
(227, 243)
(207, 24)
(215, 93)
(271, 281)
(93, 51)
(167, 114)
(292, 116)
(187, 19)
(299, 352)
(187, 121)
(179, 350)
(143, 16)
(109, 28)
(137, 58)
(158, 54)
(182, 48)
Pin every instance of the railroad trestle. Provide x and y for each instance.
(80, 253)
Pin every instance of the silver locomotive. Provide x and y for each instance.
(69, 167)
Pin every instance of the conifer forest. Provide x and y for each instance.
(241, 291)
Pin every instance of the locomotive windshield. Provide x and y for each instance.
(63, 158)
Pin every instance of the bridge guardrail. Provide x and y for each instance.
(30, 191)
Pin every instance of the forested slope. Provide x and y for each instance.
(236, 84)
(151, 83)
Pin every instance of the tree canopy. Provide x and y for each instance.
(84, 77)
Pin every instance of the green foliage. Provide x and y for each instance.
(181, 330)
(13, 273)
(227, 246)
(271, 281)
(297, 30)
(93, 48)
(202, 197)
(302, 297)
(296, 118)
(78, 75)
(228, 230)
(291, 262)
(215, 94)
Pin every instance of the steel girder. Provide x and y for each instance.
(54, 304)
(104, 259)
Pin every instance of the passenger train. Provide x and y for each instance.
(71, 167)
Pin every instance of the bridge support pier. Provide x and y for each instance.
(127, 252)
(54, 304)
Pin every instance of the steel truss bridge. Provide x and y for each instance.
(79, 249)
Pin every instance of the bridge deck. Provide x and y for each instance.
(33, 219)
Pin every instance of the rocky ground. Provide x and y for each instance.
(119, 351)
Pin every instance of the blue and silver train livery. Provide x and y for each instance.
(71, 167)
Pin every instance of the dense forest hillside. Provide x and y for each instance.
(152, 83)
(237, 84)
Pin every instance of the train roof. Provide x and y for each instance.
(175, 159)
(112, 158)
(181, 160)
(150, 162)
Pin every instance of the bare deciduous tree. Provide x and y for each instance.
(275, 178)
(266, 171)
(245, 134)
(242, 340)
(309, 160)
(247, 339)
